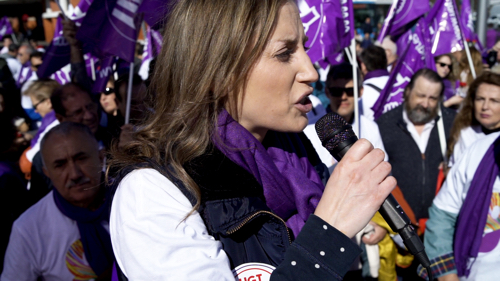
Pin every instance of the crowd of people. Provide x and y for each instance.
(220, 165)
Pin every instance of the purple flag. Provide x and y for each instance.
(80, 11)
(468, 25)
(157, 40)
(401, 16)
(413, 58)
(102, 75)
(329, 26)
(147, 54)
(444, 28)
(5, 27)
(111, 28)
(62, 76)
(57, 54)
(154, 12)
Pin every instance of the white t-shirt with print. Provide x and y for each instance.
(45, 243)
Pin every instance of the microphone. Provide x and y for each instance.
(337, 137)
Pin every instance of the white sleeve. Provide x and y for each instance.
(451, 196)
(152, 241)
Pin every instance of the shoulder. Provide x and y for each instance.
(33, 218)
(367, 123)
(391, 116)
(448, 114)
(146, 191)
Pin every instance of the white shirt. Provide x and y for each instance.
(152, 238)
(420, 139)
(467, 137)
(44, 242)
(452, 195)
(370, 95)
(14, 66)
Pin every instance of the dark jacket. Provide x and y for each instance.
(415, 172)
(234, 211)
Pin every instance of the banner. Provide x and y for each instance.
(5, 27)
(444, 28)
(80, 11)
(329, 24)
(467, 25)
(111, 28)
(401, 17)
(414, 57)
(57, 55)
(104, 71)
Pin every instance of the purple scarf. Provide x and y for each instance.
(95, 238)
(376, 73)
(46, 121)
(474, 212)
(292, 187)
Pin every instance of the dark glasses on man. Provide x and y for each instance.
(338, 91)
(38, 103)
(442, 64)
(109, 91)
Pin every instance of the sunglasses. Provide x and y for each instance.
(442, 64)
(38, 103)
(338, 91)
(109, 91)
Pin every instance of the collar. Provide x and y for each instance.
(376, 73)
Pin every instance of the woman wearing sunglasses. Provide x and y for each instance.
(445, 69)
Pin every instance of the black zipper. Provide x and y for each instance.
(252, 216)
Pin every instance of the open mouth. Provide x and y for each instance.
(304, 105)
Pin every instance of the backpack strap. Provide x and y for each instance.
(374, 87)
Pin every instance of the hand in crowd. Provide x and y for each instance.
(373, 238)
(357, 188)
(455, 100)
(126, 135)
(69, 31)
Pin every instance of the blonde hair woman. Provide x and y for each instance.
(202, 190)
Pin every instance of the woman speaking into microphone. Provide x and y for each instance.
(204, 192)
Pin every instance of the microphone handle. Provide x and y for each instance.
(390, 210)
(393, 214)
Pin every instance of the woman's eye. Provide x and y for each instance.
(284, 56)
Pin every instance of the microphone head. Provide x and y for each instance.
(334, 132)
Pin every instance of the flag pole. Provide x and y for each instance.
(129, 93)
(355, 87)
(347, 51)
(469, 57)
(466, 46)
(92, 67)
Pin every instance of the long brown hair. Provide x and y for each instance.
(465, 117)
(452, 76)
(208, 50)
(477, 60)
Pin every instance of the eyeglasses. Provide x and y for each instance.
(109, 91)
(38, 103)
(338, 91)
(442, 64)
